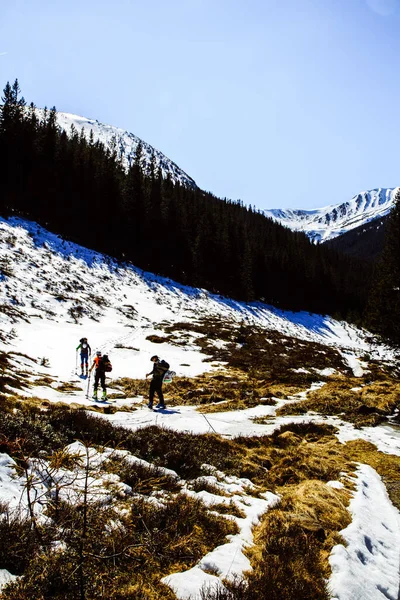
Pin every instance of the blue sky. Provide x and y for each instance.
(281, 103)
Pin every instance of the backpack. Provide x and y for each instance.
(106, 363)
(164, 365)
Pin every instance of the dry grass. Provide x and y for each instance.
(126, 554)
(237, 404)
(156, 339)
(215, 392)
(44, 381)
(10, 377)
(141, 478)
(229, 509)
(368, 406)
(67, 387)
(266, 354)
(382, 395)
(307, 460)
(293, 543)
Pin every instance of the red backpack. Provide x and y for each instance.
(106, 363)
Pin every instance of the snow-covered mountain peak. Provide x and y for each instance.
(126, 145)
(322, 224)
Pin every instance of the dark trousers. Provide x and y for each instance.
(99, 376)
(84, 359)
(155, 387)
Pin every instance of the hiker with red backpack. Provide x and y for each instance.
(160, 367)
(102, 365)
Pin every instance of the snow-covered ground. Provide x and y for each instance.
(54, 292)
(367, 568)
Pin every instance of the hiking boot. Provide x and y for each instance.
(160, 405)
(94, 396)
(149, 405)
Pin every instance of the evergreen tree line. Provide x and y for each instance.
(365, 241)
(78, 187)
(383, 308)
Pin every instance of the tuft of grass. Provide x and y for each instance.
(310, 430)
(43, 381)
(143, 479)
(201, 484)
(229, 509)
(294, 464)
(67, 387)
(156, 339)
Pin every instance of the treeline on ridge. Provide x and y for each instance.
(79, 188)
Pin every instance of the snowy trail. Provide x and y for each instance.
(368, 567)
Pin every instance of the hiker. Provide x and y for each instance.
(160, 367)
(99, 365)
(85, 353)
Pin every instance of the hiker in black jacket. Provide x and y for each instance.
(160, 367)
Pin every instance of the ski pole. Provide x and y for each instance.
(88, 385)
(76, 361)
(209, 423)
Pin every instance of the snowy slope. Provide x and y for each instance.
(322, 224)
(126, 144)
(53, 292)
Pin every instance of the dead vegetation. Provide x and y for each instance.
(360, 401)
(215, 391)
(292, 543)
(289, 557)
(67, 387)
(271, 355)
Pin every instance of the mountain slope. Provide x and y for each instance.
(365, 241)
(126, 144)
(329, 222)
(64, 290)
